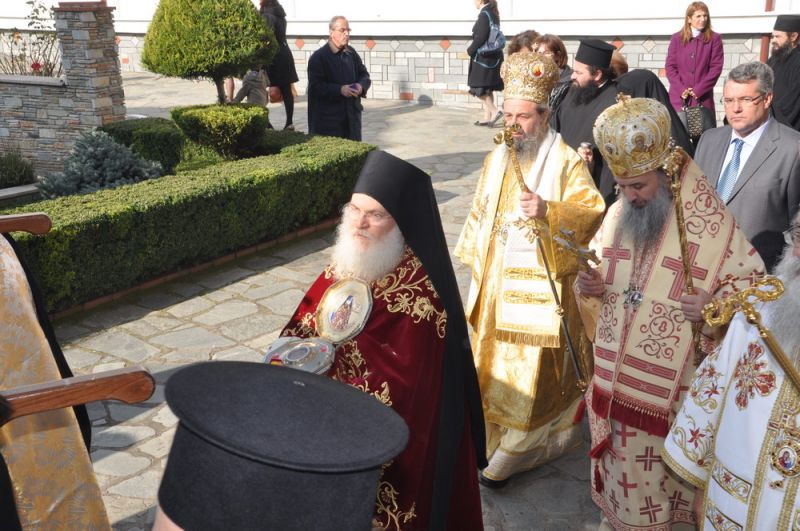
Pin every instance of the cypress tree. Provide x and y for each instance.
(212, 39)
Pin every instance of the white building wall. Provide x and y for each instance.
(455, 17)
(415, 50)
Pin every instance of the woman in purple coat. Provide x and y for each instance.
(694, 59)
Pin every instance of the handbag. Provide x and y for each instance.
(496, 40)
(492, 49)
(696, 119)
(275, 95)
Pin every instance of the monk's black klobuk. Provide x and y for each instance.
(271, 448)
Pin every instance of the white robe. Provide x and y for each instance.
(729, 428)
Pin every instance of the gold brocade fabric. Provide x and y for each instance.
(526, 386)
(513, 451)
(52, 475)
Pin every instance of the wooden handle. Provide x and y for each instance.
(131, 385)
(35, 223)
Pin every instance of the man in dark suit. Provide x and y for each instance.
(337, 80)
(753, 162)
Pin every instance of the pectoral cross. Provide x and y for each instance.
(568, 243)
(633, 297)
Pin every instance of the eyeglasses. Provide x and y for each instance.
(352, 212)
(745, 101)
(792, 235)
(342, 30)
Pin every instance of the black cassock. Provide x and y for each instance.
(785, 103)
(330, 113)
(575, 123)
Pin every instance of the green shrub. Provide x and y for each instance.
(97, 162)
(113, 239)
(233, 131)
(155, 139)
(15, 170)
(194, 157)
(273, 141)
(207, 38)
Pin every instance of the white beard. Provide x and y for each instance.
(783, 321)
(352, 260)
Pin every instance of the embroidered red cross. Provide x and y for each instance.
(676, 265)
(613, 455)
(614, 255)
(676, 500)
(605, 470)
(614, 501)
(650, 509)
(624, 434)
(648, 458)
(625, 485)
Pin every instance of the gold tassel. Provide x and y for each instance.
(533, 340)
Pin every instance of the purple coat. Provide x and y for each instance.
(697, 64)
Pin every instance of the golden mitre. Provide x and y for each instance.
(633, 136)
(528, 76)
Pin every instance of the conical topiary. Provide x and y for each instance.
(207, 38)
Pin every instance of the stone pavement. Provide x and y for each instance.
(232, 312)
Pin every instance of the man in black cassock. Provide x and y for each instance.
(337, 80)
(785, 62)
(642, 83)
(593, 90)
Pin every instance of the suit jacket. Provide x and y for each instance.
(765, 199)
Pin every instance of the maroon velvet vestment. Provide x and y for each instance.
(397, 358)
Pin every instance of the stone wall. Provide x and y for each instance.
(43, 117)
(435, 70)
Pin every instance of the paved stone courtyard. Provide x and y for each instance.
(233, 311)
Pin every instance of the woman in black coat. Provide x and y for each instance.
(282, 72)
(484, 69)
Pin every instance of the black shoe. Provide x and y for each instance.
(492, 483)
(497, 117)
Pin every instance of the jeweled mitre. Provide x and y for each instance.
(633, 136)
(528, 76)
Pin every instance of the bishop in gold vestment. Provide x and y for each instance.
(52, 485)
(527, 382)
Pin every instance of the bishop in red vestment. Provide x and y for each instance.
(410, 350)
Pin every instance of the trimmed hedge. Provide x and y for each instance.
(233, 131)
(155, 139)
(113, 239)
(273, 141)
(207, 38)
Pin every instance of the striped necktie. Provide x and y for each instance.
(731, 172)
